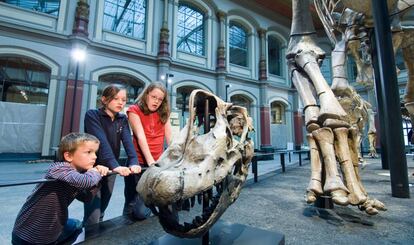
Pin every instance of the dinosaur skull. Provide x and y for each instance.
(195, 163)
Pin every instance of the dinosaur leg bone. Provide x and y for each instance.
(330, 107)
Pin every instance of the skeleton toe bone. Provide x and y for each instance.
(356, 195)
(333, 183)
(315, 184)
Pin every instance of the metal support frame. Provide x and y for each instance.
(389, 101)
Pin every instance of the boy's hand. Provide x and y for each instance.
(135, 169)
(123, 171)
(102, 170)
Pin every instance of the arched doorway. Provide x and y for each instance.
(242, 100)
(132, 84)
(278, 125)
(183, 95)
(24, 90)
(248, 103)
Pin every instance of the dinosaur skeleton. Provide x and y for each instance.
(330, 113)
(209, 167)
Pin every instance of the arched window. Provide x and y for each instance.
(23, 80)
(45, 6)
(125, 17)
(241, 100)
(238, 44)
(190, 30)
(277, 113)
(183, 96)
(133, 86)
(274, 56)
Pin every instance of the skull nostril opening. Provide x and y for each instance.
(199, 174)
(208, 171)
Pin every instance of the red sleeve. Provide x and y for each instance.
(133, 109)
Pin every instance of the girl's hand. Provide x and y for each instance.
(123, 171)
(136, 169)
(102, 170)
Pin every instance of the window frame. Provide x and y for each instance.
(203, 19)
(282, 120)
(144, 24)
(246, 32)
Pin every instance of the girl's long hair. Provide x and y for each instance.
(109, 92)
(163, 110)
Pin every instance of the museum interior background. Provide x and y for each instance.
(234, 49)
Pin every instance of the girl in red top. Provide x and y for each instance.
(150, 122)
(149, 118)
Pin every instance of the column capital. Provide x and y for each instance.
(221, 15)
(261, 32)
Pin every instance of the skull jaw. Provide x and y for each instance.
(201, 224)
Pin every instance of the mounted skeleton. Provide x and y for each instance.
(330, 113)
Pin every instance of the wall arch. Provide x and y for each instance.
(247, 94)
(199, 4)
(51, 100)
(254, 110)
(95, 74)
(281, 100)
(245, 17)
(279, 36)
(191, 83)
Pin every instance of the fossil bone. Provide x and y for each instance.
(356, 195)
(211, 167)
(315, 184)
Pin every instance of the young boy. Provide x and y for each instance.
(43, 219)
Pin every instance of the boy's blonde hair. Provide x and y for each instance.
(71, 142)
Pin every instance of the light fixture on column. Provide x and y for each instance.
(78, 55)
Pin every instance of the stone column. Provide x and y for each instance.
(221, 57)
(262, 61)
(264, 87)
(164, 44)
(76, 73)
(264, 117)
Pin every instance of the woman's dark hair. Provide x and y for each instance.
(109, 92)
(163, 110)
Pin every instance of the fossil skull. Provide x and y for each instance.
(195, 163)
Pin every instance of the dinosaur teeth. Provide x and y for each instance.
(198, 221)
(199, 198)
(179, 205)
(186, 205)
